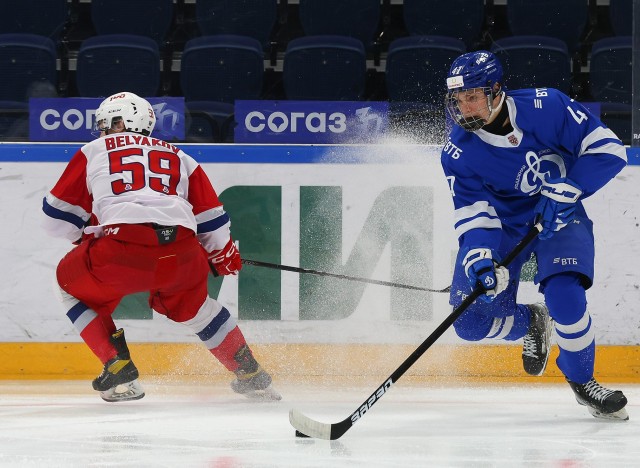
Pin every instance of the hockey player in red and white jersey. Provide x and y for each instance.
(146, 218)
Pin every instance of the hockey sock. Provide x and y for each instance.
(219, 332)
(226, 351)
(566, 298)
(94, 329)
(97, 336)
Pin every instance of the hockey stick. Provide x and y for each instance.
(305, 426)
(275, 266)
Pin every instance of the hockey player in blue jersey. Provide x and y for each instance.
(515, 157)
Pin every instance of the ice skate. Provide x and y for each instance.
(252, 380)
(600, 401)
(119, 378)
(537, 342)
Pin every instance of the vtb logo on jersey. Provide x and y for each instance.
(538, 168)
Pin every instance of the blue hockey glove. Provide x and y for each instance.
(557, 205)
(481, 269)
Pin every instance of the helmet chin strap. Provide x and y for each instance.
(494, 110)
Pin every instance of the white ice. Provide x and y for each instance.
(182, 424)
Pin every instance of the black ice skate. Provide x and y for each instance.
(118, 380)
(537, 342)
(252, 380)
(600, 401)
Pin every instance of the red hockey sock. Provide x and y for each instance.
(228, 349)
(97, 335)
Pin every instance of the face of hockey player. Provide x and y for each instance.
(474, 108)
(473, 105)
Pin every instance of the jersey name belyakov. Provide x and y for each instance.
(497, 184)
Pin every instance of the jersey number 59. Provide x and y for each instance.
(159, 163)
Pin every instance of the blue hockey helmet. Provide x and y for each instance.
(480, 71)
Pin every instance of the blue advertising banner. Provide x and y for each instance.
(332, 122)
(71, 119)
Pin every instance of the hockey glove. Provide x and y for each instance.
(225, 261)
(481, 269)
(557, 205)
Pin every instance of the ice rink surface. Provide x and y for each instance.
(66, 424)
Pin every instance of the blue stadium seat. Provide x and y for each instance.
(28, 62)
(354, 18)
(534, 62)
(331, 68)
(150, 18)
(253, 18)
(222, 68)
(621, 16)
(117, 62)
(42, 17)
(462, 19)
(562, 19)
(209, 122)
(610, 69)
(417, 67)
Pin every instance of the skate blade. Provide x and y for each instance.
(124, 392)
(620, 415)
(268, 394)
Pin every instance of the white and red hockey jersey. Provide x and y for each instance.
(127, 178)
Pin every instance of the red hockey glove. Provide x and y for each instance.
(225, 261)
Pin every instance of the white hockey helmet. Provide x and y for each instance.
(136, 113)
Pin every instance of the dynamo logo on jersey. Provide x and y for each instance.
(538, 169)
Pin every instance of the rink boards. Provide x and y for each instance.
(342, 363)
(280, 197)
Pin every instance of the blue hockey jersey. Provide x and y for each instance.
(495, 180)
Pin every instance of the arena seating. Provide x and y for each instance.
(389, 35)
(354, 18)
(111, 63)
(43, 17)
(326, 67)
(253, 18)
(462, 19)
(416, 67)
(535, 62)
(222, 68)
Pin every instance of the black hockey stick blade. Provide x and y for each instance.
(333, 431)
(275, 266)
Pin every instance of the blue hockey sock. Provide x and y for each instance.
(566, 299)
